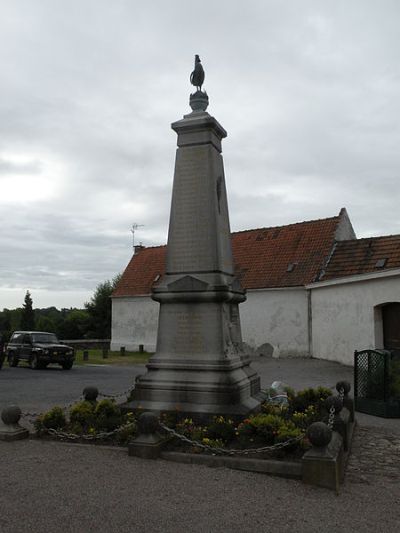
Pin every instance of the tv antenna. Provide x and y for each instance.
(133, 229)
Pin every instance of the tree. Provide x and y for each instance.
(99, 309)
(75, 325)
(27, 315)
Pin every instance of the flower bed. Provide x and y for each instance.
(89, 420)
(273, 425)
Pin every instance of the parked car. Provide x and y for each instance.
(39, 349)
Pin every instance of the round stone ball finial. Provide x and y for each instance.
(90, 393)
(334, 401)
(148, 423)
(345, 385)
(319, 434)
(11, 415)
(198, 101)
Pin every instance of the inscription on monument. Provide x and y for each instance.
(191, 228)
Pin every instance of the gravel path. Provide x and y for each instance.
(52, 487)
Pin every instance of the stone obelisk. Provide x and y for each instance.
(199, 365)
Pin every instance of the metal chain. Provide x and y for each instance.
(331, 418)
(81, 398)
(332, 410)
(341, 395)
(124, 393)
(226, 451)
(95, 436)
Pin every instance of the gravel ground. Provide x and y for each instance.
(53, 487)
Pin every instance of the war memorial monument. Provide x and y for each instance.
(199, 366)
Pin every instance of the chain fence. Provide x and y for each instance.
(33, 416)
(126, 392)
(63, 435)
(103, 435)
(228, 451)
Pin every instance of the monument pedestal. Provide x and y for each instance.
(199, 365)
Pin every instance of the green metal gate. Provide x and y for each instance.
(377, 383)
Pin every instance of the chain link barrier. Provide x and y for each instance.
(332, 410)
(63, 435)
(32, 416)
(126, 392)
(104, 435)
(227, 451)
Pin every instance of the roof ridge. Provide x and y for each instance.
(287, 225)
(370, 238)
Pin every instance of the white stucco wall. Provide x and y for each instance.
(276, 317)
(134, 322)
(345, 318)
(273, 322)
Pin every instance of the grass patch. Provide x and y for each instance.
(114, 358)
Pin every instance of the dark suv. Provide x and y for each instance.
(39, 349)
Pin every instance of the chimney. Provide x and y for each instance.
(138, 248)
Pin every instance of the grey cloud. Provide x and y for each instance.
(308, 92)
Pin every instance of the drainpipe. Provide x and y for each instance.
(310, 343)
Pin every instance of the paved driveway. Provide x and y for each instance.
(38, 390)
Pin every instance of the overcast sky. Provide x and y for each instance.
(308, 91)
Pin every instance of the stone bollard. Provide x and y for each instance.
(122, 350)
(12, 430)
(149, 443)
(322, 465)
(86, 355)
(90, 394)
(341, 420)
(105, 353)
(347, 401)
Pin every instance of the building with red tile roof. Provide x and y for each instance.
(300, 279)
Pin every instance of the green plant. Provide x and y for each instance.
(189, 429)
(82, 416)
(221, 429)
(107, 415)
(53, 419)
(259, 429)
(126, 433)
(300, 401)
(215, 443)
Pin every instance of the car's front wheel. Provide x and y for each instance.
(12, 359)
(67, 365)
(35, 362)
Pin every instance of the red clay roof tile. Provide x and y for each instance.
(360, 256)
(261, 257)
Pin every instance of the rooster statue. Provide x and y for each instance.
(197, 76)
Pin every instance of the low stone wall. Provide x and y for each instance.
(87, 344)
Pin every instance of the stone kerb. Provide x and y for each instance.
(323, 465)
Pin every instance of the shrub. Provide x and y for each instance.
(82, 416)
(53, 419)
(215, 443)
(188, 428)
(107, 415)
(221, 429)
(303, 399)
(260, 429)
(126, 433)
